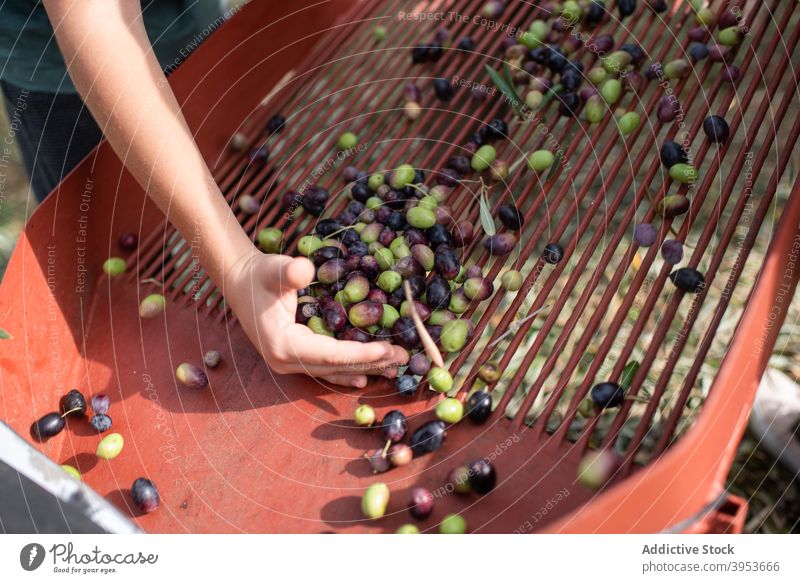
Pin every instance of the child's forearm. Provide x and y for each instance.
(112, 64)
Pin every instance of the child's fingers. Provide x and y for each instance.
(358, 381)
(284, 273)
(314, 349)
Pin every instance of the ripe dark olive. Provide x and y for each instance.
(466, 44)
(331, 271)
(73, 404)
(569, 104)
(602, 44)
(500, 244)
(421, 505)
(556, 59)
(365, 314)
(716, 129)
(275, 124)
(463, 233)
(438, 293)
(406, 385)
(688, 280)
(334, 315)
(635, 51)
(595, 12)
(128, 241)
(668, 109)
(405, 333)
(626, 7)
(360, 192)
(327, 227)
(378, 461)
(428, 437)
(145, 495)
(482, 477)
(394, 426)
(259, 155)
(354, 335)
(419, 364)
(443, 89)
(408, 266)
(510, 216)
(607, 395)
(324, 254)
(368, 265)
(460, 164)
(417, 284)
(497, 129)
(419, 54)
(48, 426)
(101, 422)
(697, 51)
(479, 406)
(435, 52)
(446, 262)
(553, 253)
(672, 153)
(438, 235)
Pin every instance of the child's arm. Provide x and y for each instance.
(112, 64)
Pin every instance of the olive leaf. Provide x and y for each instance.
(487, 220)
(507, 90)
(550, 95)
(5, 335)
(628, 373)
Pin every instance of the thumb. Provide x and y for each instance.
(286, 273)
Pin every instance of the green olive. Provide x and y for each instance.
(541, 160)
(308, 244)
(152, 306)
(407, 529)
(453, 524)
(421, 218)
(683, 173)
(375, 500)
(450, 410)
(269, 240)
(364, 416)
(440, 379)
(385, 258)
(347, 140)
(114, 266)
(629, 123)
(454, 335)
(511, 280)
(483, 158)
(390, 316)
(110, 446)
(389, 281)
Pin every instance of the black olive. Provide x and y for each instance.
(419, 54)
(73, 404)
(716, 129)
(607, 395)
(595, 13)
(688, 280)
(48, 426)
(394, 426)
(510, 216)
(482, 477)
(497, 129)
(672, 153)
(569, 104)
(479, 406)
(553, 253)
(443, 89)
(626, 7)
(275, 124)
(428, 438)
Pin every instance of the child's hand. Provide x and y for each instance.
(262, 291)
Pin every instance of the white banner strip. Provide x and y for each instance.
(349, 558)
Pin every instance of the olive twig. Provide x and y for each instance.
(427, 342)
(152, 280)
(338, 231)
(517, 325)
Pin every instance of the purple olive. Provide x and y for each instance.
(394, 426)
(378, 461)
(730, 73)
(463, 233)
(365, 314)
(145, 495)
(415, 237)
(128, 241)
(418, 285)
(101, 403)
(716, 129)
(377, 295)
(423, 311)
(668, 109)
(424, 256)
(354, 335)
(419, 364)
(438, 293)
(305, 311)
(368, 265)
(478, 288)
(500, 244)
(331, 271)
(672, 251)
(191, 376)
(421, 505)
(334, 316)
(673, 205)
(405, 333)
(446, 262)
(645, 234)
(325, 254)
(408, 266)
